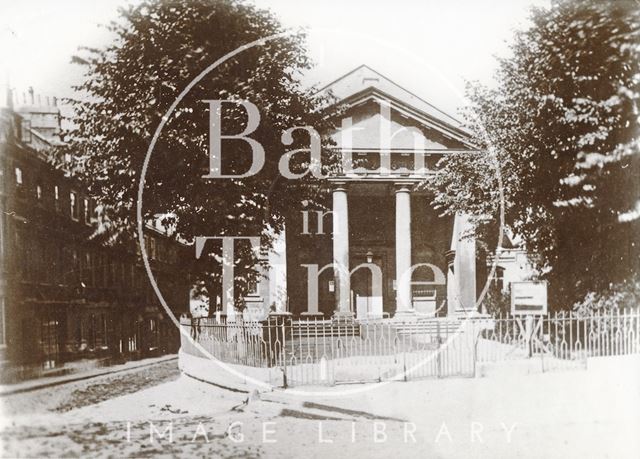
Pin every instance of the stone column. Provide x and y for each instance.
(465, 265)
(341, 253)
(404, 304)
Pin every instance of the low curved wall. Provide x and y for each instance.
(229, 376)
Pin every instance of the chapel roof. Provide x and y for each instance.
(364, 78)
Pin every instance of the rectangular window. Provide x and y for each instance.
(58, 266)
(133, 276)
(50, 260)
(66, 266)
(499, 278)
(82, 268)
(19, 252)
(92, 331)
(88, 269)
(39, 191)
(75, 266)
(25, 133)
(113, 273)
(123, 274)
(104, 332)
(96, 269)
(252, 289)
(99, 268)
(56, 196)
(92, 265)
(106, 270)
(73, 205)
(38, 261)
(31, 261)
(87, 211)
(152, 248)
(18, 173)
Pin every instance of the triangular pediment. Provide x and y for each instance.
(370, 100)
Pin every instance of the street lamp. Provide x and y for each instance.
(369, 256)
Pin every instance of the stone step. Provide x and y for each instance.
(429, 327)
(327, 328)
(323, 328)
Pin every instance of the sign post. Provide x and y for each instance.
(529, 299)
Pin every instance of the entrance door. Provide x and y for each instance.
(367, 298)
(49, 344)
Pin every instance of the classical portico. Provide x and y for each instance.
(341, 255)
(389, 252)
(406, 305)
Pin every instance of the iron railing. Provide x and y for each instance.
(566, 335)
(319, 351)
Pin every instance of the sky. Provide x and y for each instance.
(429, 47)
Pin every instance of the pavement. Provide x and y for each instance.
(156, 411)
(42, 383)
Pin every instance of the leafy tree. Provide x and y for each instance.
(497, 303)
(622, 296)
(560, 133)
(158, 48)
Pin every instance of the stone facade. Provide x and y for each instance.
(65, 296)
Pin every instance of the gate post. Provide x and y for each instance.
(528, 335)
(275, 330)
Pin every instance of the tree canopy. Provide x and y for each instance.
(159, 46)
(560, 131)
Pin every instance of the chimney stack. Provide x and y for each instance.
(44, 117)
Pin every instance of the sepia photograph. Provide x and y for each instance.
(320, 229)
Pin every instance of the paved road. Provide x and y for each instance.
(74, 395)
(112, 416)
(202, 421)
